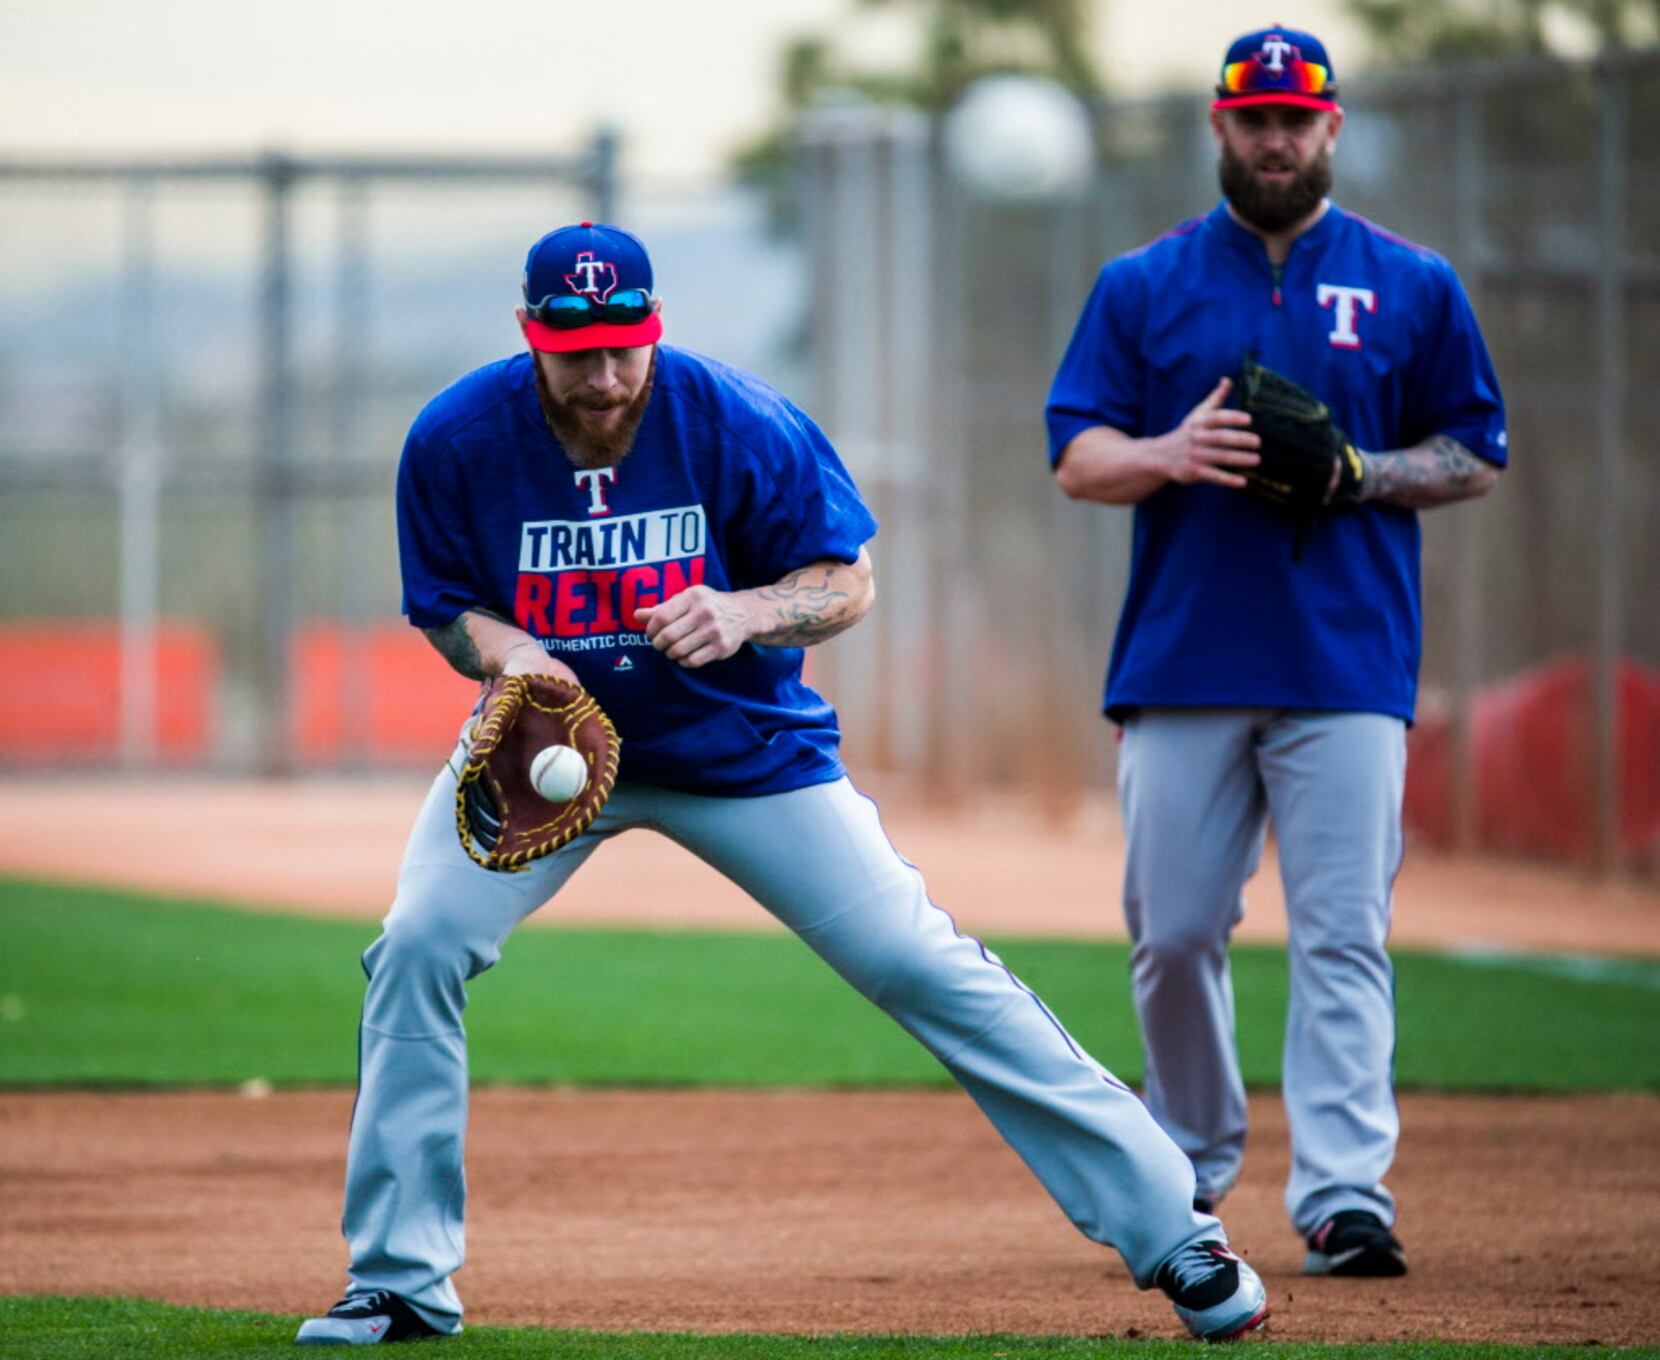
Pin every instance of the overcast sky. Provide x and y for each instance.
(685, 82)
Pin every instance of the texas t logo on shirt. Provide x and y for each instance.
(1346, 302)
(594, 481)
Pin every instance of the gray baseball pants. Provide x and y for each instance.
(1198, 788)
(818, 859)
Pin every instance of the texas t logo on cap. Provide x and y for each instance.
(590, 274)
(1275, 49)
(588, 286)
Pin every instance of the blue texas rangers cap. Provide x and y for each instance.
(1276, 65)
(588, 286)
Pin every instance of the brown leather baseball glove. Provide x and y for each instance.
(503, 822)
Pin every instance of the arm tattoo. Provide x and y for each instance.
(459, 643)
(455, 644)
(1436, 472)
(811, 605)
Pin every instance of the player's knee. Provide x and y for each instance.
(1355, 927)
(900, 980)
(425, 945)
(1340, 955)
(906, 973)
(1173, 948)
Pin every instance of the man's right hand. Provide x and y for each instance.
(480, 645)
(1110, 467)
(528, 658)
(1210, 443)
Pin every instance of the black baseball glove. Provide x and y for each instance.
(1308, 465)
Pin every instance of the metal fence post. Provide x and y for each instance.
(953, 719)
(1070, 729)
(602, 178)
(1611, 360)
(1467, 612)
(279, 555)
(854, 404)
(140, 480)
(349, 430)
(909, 373)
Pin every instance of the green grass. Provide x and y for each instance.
(47, 1328)
(105, 987)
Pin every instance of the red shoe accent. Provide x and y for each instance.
(1250, 1326)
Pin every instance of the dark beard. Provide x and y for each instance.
(1269, 207)
(584, 446)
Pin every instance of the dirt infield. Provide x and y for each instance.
(1527, 1220)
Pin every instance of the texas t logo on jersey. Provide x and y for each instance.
(592, 278)
(593, 481)
(1346, 304)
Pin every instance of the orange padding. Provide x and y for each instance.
(378, 691)
(60, 683)
(1533, 749)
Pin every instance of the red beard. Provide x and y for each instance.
(587, 445)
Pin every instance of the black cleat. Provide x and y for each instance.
(1216, 1295)
(366, 1320)
(1354, 1242)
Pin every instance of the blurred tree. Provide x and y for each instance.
(967, 39)
(961, 40)
(1405, 32)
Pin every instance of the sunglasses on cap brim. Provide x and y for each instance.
(1294, 77)
(571, 311)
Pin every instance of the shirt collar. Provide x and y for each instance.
(1240, 237)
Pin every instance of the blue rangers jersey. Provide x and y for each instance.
(1219, 610)
(727, 485)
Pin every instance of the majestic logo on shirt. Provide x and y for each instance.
(593, 481)
(580, 582)
(1346, 303)
(591, 277)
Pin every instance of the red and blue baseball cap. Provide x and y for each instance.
(1276, 66)
(589, 287)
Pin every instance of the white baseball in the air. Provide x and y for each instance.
(558, 773)
(1020, 138)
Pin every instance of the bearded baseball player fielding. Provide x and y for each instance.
(1277, 387)
(631, 545)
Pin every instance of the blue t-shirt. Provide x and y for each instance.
(1220, 611)
(728, 485)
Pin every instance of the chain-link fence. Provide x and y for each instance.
(207, 369)
(939, 318)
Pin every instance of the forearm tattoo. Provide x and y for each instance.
(455, 644)
(1436, 472)
(811, 603)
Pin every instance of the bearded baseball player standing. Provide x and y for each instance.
(1265, 664)
(670, 533)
